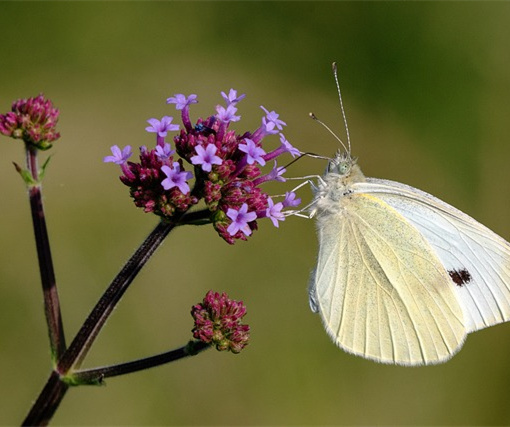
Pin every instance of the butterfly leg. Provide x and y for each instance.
(308, 180)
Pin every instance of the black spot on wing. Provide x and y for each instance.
(460, 277)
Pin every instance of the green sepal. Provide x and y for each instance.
(41, 145)
(219, 216)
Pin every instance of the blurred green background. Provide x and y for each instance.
(426, 87)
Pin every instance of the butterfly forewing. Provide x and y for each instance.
(478, 259)
(381, 290)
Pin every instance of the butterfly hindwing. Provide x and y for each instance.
(478, 260)
(380, 289)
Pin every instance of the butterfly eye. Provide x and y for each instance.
(344, 168)
(339, 167)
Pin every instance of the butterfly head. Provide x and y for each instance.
(344, 170)
(341, 164)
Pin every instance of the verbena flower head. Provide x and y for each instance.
(218, 322)
(33, 120)
(211, 163)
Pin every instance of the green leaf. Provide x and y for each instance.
(42, 171)
(25, 175)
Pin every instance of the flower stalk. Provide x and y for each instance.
(210, 164)
(49, 284)
(96, 376)
(54, 391)
(72, 359)
(81, 344)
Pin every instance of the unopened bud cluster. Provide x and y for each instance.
(218, 322)
(33, 120)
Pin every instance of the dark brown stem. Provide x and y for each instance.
(49, 284)
(47, 402)
(96, 376)
(54, 390)
(80, 346)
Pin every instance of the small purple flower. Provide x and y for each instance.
(274, 212)
(240, 219)
(218, 322)
(276, 174)
(272, 117)
(227, 115)
(285, 147)
(164, 152)
(232, 98)
(290, 200)
(268, 127)
(119, 157)
(206, 157)
(161, 127)
(176, 178)
(254, 153)
(288, 147)
(181, 101)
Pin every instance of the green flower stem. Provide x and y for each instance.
(97, 375)
(49, 284)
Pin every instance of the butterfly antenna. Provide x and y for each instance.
(313, 116)
(307, 154)
(335, 73)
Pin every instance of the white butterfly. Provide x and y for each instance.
(402, 277)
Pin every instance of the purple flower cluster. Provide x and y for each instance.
(218, 322)
(226, 168)
(34, 120)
